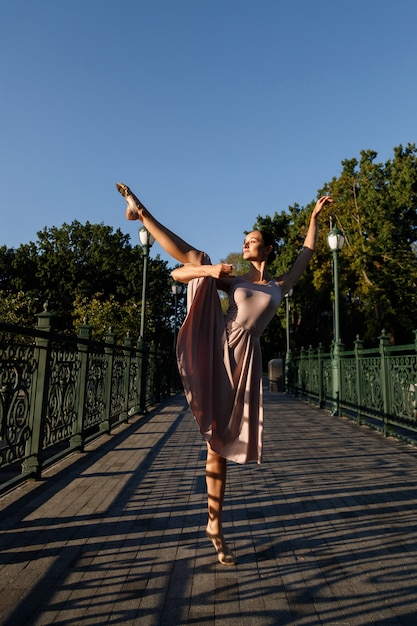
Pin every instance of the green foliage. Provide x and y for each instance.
(375, 205)
(7, 256)
(106, 315)
(90, 270)
(18, 308)
(87, 270)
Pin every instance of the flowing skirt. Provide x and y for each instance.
(220, 365)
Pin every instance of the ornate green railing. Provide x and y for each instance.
(58, 392)
(378, 386)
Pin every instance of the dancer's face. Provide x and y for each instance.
(254, 248)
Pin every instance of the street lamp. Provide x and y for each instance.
(336, 239)
(146, 240)
(288, 353)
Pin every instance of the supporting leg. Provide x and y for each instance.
(216, 483)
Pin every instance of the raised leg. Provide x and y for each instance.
(169, 241)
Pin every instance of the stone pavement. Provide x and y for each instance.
(325, 529)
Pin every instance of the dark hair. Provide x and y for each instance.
(269, 240)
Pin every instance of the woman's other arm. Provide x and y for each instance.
(288, 280)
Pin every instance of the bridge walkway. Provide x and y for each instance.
(325, 529)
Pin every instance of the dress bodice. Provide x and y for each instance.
(251, 305)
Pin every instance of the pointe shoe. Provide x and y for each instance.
(225, 558)
(134, 206)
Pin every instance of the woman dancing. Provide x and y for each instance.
(219, 356)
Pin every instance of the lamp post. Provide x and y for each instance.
(336, 239)
(288, 352)
(146, 240)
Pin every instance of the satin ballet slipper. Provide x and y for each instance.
(225, 558)
(134, 207)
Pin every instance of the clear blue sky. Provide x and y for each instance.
(213, 111)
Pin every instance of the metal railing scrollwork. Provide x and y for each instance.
(378, 386)
(58, 392)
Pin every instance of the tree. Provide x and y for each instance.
(375, 206)
(17, 308)
(88, 269)
(7, 256)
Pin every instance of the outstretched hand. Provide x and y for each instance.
(321, 202)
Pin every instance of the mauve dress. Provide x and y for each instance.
(220, 362)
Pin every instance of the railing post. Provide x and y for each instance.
(336, 365)
(359, 379)
(109, 352)
(384, 380)
(32, 465)
(320, 375)
(414, 402)
(141, 375)
(77, 438)
(153, 364)
(137, 358)
(310, 389)
(302, 372)
(127, 359)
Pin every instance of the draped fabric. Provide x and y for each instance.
(220, 362)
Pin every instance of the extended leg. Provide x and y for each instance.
(170, 242)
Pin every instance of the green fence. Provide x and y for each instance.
(58, 392)
(374, 386)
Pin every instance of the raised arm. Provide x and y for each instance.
(288, 280)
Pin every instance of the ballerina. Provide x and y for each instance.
(219, 356)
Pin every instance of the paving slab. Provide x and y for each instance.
(325, 530)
